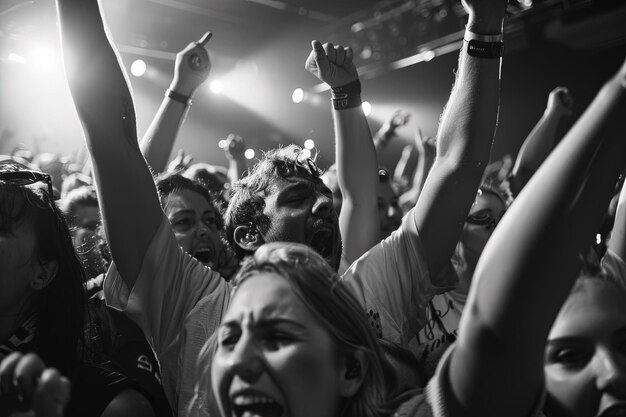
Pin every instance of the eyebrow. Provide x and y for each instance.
(579, 339)
(566, 340)
(265, 323)
(184, 211)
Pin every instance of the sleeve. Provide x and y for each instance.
(392, 283)
(170, 286)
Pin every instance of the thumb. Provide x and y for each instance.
(319, 55)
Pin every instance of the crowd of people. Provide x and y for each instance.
(146, 287)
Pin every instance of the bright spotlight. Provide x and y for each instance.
(43, 58)
(309, 144)
(249, 154)
(216, 86)
(305, 154)
(18, 59)
(367, 108)
(297, 96)
(222, 143)
(138, 67)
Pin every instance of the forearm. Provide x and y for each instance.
(401, 172)
(357, 173)
(536, 148)
(105, 107)
(424, 164)
(535, 261)
(465, 135)
(236, 168)
(381, 139)
(158, 141)
(617, 243)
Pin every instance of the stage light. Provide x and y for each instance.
(367, 108)
(43, 58)
(138, 67)
(297, 96)
(305, 154)
(216, 86)
(18, 59)
(249, 154)
(309, 144)
(222, 143)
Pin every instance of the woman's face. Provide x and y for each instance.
(487, 210)
(585, 360)
(18, 262)
(194, 222)
(273, 357)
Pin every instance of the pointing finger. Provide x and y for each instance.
(204, 39)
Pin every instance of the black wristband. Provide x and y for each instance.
(347, 96)
(489, 50)
(186, 100)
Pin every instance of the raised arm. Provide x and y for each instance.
(387, 132)
(541, 139)
(191, 70)
(426, 153)
(357, 165)
(464, 138)
(532, 260)
(235, 149)
(617, 242)
(130, 207)
(402, 172)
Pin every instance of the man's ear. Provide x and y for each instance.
(46, 272)
(353, 375)
(248, 238)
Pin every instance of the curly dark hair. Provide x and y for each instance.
(247, 200)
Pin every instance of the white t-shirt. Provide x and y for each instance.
(392, 283)
(178, 303)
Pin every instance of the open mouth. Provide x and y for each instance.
(204, 255)
(255, 405)
(322, 242)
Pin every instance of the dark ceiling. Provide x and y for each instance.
(259, 48)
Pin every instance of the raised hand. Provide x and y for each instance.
(235, 147)
(192, 66)
(560, 100)
(485, 16)
(28, 388)
(399, 118)
(181, 162)
(332, 64)
(425, 143)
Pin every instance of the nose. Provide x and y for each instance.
(245, 360)
(323, 205)
(610, 369)
(202, 232)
